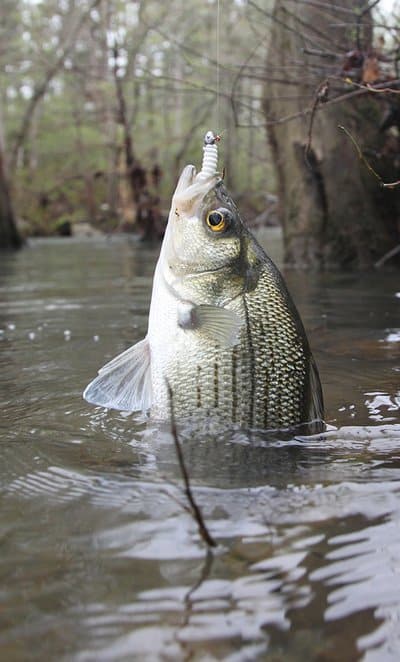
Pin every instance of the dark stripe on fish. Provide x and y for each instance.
(198, 387)
(252, 402)
(264, 343)
(234, 384)
(216, 385)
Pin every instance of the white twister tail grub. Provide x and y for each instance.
(192, 185)
(210, 156)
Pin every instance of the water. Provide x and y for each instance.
(100, 560)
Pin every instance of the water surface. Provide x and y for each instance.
(101, 561)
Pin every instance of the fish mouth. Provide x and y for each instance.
(191, 189)
(198, 273)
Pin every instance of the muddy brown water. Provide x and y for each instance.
(99, 559)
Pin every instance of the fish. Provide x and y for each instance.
(224, 338)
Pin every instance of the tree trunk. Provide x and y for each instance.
(9, 235)
(147, 215)
(333, 211)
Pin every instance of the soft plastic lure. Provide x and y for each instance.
(210, 156)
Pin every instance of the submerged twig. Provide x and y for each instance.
(393, 251)
(194, 508)
(205, 573)
(188, 598)
(366, 162)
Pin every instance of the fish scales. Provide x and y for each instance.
(260, 382)
(224, 336)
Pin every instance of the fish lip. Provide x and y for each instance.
(210, 271)
(203, 272)
(186, 197)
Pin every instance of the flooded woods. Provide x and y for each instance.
(104, 102)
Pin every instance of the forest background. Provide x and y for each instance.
(103, 101)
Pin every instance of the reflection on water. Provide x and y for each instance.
(101, 561)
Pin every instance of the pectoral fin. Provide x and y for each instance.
(219, 324)
(125, 382)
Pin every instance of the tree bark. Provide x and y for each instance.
(147, 216)
(9, 236)
(333, 211)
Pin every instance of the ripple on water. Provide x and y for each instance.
(101, 561)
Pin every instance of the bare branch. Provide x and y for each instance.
(320, 34)
(339, 99)
(324, 5)
(392, 253)
(324, 54)
(371, 88)
(42, 88)
(321, 96)
(366, 162)
(196, 512)
(287, 27)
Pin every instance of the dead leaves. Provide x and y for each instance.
(370, 70)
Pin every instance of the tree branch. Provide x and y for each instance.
(366, 163)
(41, 89)
(196, 512)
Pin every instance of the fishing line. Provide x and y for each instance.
(217, 57)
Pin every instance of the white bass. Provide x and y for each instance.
(223, 331)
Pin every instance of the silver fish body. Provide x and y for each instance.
(223, 331)
(267, 380)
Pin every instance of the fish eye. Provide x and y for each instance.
(217, 221)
